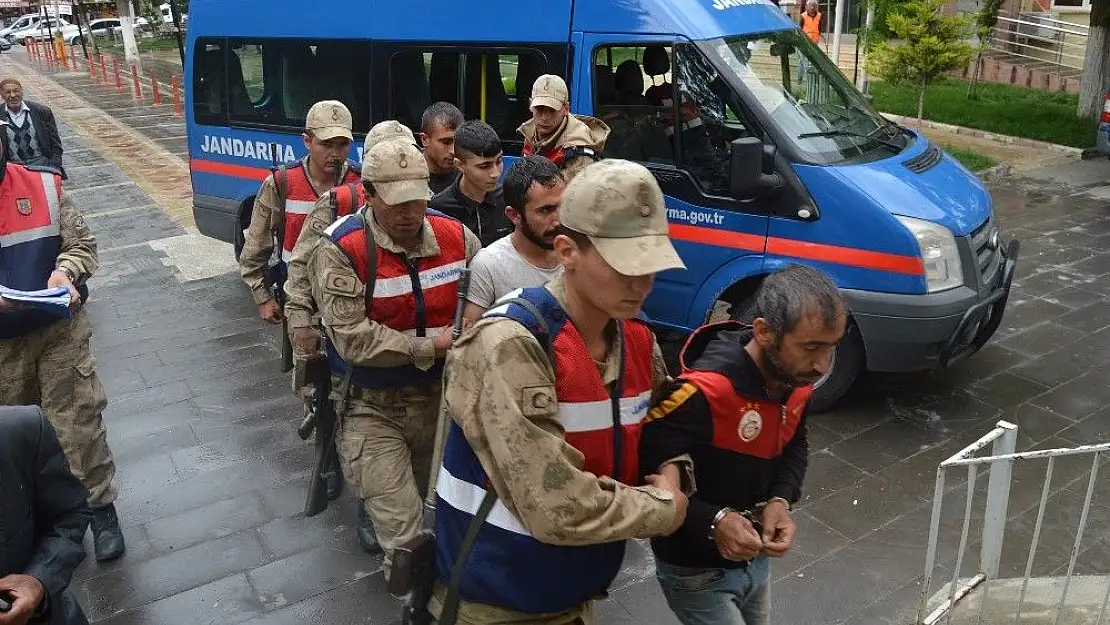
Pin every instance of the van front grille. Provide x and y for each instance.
(986, 248)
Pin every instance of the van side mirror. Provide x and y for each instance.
(746, 177)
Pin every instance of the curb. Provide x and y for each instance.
(994, 173)
(1064, 150)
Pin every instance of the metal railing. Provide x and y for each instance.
(1003, 442)
(1040, 40)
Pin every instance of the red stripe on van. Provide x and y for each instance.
(227, 169)
(895, 263)
(720, 238)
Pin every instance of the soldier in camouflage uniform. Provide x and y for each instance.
(300, 309)
(46, 359)
(388, 331)
(327, 137)
(534, 400)
(570, 141)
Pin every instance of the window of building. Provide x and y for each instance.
(492, 85)
(274, 82)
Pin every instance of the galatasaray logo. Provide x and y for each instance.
(751, 424)
(23, 205)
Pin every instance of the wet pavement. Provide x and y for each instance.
(212, 473)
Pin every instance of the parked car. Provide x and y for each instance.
(106, 27)
(21, 23)
(4, 45)
(43, 30)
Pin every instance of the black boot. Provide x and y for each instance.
(333, 478)
(107, 537)
(367, 538)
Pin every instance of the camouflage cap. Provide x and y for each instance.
(551, 91)
(398, 172)
(388, 130)
(619, 205)
(329, 119)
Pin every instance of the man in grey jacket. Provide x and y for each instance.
(44, 515)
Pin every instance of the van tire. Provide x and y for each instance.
(847, 360)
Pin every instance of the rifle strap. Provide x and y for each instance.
(451, 601)
(277, 218)
(371, 259)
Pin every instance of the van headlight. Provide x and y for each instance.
(939, 253)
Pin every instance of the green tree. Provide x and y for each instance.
(928, 44)
(985, 21)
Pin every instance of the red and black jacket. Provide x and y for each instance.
(746, 447)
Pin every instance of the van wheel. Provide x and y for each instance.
(242, 222)
(847, 360)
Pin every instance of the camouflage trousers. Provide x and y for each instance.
(385, 442)
(54, 368)
(483, 614)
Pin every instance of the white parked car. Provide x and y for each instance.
(42, 30)
(22, 23)
(106, 27)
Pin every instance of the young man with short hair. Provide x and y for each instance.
(572, 142)
(533, 190)
(437, 137)
(738, 408)
(475, 198)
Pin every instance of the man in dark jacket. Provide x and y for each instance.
(44, 517)
(738, 408)
(32, 131)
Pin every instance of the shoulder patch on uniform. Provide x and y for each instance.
(341, 285)
(672, 402)
(537, 400)
(318, 225)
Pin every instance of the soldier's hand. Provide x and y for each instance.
(306, 340)
(680, 499)
(270, 312)
(60, 278)
(736, 539)
(26, 593)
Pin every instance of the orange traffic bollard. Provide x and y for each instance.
(115, 70)
(92, 66)
(103, 70)
(135, 76)
(73, 58)
(154, 88)
(175, 84)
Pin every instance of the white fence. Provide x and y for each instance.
(1003, 442)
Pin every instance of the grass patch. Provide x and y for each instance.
(971, 159)
(1004, 109)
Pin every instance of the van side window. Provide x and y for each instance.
(275, 81)
(489, 84)
(209, 84)
(710, 119)
(630, 84)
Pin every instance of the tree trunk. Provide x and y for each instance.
(127, 21)
(1096, 65)
(921, 103)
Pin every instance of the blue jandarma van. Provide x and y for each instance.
(761, 166)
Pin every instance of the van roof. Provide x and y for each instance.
(488, 20)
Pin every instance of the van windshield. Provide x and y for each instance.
(810, 101)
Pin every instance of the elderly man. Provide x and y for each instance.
(33, 137)
(44, 516)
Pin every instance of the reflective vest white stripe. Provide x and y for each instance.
(299, 207)
(466, 497)
(52, 229)
(429, 279)
(598, 415)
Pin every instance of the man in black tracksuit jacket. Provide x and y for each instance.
(738, 409)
